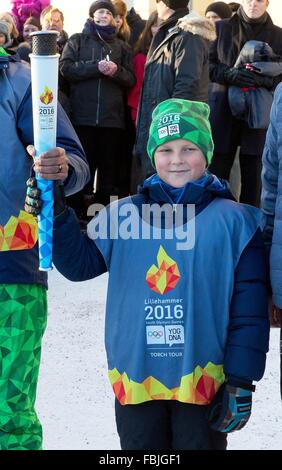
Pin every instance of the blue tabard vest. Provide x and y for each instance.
(167, 310)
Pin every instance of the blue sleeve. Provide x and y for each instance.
(75, 255)
(270, 170)
(66, 138)
(248, 335)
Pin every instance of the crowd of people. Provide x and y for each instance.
(159, 108)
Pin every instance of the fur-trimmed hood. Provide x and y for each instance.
(197, 24)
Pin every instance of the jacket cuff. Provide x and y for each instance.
(237, 382)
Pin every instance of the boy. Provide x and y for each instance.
(197, 323)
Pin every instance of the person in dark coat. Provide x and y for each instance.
(176, 67)
(98, 67)
(136, 24)
(53, 19)
(234, 6)
(31, 25)
(217, 11)
(251, 22)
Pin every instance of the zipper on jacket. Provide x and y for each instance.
(99, 93)
(98, 106)
(174, 213)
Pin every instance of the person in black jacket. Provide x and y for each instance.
(176, 67)
(98, 68)
(136, 24)
(216, 11)
(251, 22)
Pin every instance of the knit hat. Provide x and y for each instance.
(181, 119)
(221, 9)
(4, 29)
(176, 4)
(101, 4)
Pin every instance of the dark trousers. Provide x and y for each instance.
(166, 425)
(104, 149)
(250, 166)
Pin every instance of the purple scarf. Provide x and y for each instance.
(107, 33)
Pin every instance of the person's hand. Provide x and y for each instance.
(275, 315)
(33, 203)
(239, 77)
(113, 69)
(103, 66)
(231, 407)
(51, 165)
(262, 81)
(108, 68)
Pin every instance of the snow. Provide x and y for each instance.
(75, 401)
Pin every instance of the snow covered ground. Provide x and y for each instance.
(75, 400)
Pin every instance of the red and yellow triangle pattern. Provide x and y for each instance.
(165, 277)
(19, 233)
(198, 388)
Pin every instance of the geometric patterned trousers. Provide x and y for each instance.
(23, 316)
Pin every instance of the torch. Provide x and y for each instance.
(44, 82)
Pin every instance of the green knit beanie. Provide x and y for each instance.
(181, 119)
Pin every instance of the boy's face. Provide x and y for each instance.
(2, 39)
(178, 162)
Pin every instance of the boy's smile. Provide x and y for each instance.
(179, 162)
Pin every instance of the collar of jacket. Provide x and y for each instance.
(12, 56)
(235, 20)
(236, 39)
(192, 23)
(194, 192)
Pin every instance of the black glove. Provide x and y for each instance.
(231, 407)
(239, 77)
(33, 202)
(263, 81)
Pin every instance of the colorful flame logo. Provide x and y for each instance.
(166, 276)
(19, 233)
(46, 97)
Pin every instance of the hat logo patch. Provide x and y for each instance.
(170, 125)
(163, 132)
(173, 129)
(171, 118)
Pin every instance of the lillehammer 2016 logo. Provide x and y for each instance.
(164, 277)
(46, 97)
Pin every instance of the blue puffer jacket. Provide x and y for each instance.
(272, 196)
(18, 230)
(248, 337)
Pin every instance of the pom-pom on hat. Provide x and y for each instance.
(181, 119)
(101, 4)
